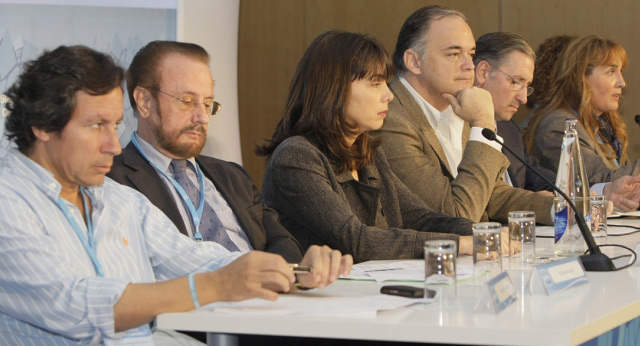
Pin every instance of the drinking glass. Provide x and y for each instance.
(440, 271)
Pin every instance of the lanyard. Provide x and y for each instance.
(196, 215)
(88, 244)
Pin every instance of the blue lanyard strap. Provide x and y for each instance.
(196, 215)
(88, 244)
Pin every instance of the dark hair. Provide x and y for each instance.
(319, 94)
(414, 30)
(548, 53)
(44, 96)
(143, 70)
(496, 46)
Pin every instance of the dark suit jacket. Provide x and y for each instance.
(376, 217)
(259, 222)
(547, 148)
(520, 175)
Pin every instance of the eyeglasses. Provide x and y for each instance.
(516, 85)
(187, 103)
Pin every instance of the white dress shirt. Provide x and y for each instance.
(448, 128)
(50, 293)
(211, 194)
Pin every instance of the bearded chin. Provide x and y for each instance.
(185, 151)
(170, 143)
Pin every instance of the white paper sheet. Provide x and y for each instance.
(635, 213)
(316, 305)
(399, 271)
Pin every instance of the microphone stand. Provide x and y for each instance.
(595, 260)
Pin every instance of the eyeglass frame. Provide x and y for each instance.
(520, 84)
(215, 105)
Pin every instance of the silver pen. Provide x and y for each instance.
(298, 269)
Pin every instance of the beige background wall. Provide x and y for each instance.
(197, 19)
(274, 33)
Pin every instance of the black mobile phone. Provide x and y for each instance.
(406, 291)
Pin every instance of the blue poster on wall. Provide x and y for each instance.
(117, 27)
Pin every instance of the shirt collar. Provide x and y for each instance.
(45, 180)
(433, 115)
(158, 158)
(368, 174)
(39, 175)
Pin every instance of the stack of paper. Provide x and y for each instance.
(399, 271)
(316, 305)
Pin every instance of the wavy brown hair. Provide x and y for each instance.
(569, 90)
(319, 95)
(548, 53)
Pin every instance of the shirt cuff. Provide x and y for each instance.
(476, 135)
(598, 188)
(102, 296)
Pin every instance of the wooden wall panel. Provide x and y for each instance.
(269, 45)
(274, 33)
(383, 18)
(538, 20)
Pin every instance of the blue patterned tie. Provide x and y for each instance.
(210, 224)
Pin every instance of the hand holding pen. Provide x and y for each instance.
(321, 266)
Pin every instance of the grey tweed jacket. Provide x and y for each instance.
(548, 143)
(478, 192)
(374, 218)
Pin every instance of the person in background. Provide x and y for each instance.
(504, 66)
(327, 178)
(587, 85)
(547, 55)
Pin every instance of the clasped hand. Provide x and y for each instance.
(260, 274)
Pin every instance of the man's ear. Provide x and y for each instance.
(143, 99)
(40, 134)
(412, 61)
(482, 72)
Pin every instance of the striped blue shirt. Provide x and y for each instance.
(50, 293)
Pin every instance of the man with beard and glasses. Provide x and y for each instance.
(171, 91)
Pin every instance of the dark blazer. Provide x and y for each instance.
(547, 147)
(259, 222)
(375, 217)
(520, 175)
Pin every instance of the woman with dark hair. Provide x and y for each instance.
(327, 178)
(588, 86)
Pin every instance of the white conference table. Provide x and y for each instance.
(571, 317)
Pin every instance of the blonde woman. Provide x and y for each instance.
(588, 86)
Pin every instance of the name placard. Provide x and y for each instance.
(497, 294)
(554, 277)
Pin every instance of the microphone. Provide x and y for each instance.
(595, 260)
(637, 119)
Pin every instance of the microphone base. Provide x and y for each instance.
(597, 262)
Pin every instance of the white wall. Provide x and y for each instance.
(116, 27)
(213, 24)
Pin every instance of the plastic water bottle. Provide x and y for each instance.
(572, 180)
